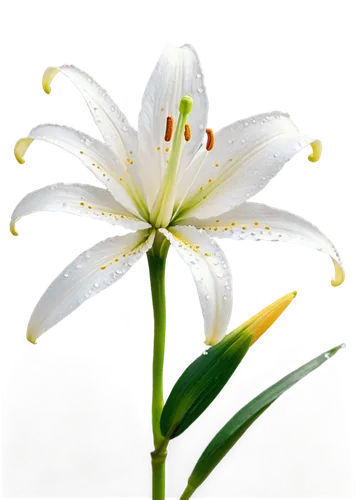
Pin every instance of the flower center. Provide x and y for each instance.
(163, 206)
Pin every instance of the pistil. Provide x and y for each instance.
(164, 203)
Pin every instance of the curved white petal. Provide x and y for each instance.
(246, 155)
(177, 73)
(112, 123)
(77, 199)
(96, 155)
(91, 272)
(212, 275)
(255, 221)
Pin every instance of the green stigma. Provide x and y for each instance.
(186, 105)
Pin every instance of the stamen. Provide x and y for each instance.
(210, 141)
(169, 130)
(187, 133)
(316, 151)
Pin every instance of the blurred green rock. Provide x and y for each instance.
(64, 436)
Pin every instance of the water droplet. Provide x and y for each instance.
(113, 108)
(246, 124)
(207, 296)
(52, 188)
(200, 90)
(219, 275)
(225, 297)
(343, 345)
(65, 275)
(79, 266)
(205, 353)
(243, 141)
(201, 126)
(275, 155)
(327, 355)
(96, 285)
(198, 75)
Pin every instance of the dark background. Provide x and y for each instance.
(110, 336)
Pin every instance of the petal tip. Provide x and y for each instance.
(294, 294)
(31, 339)
(339, 276)
(31, 347)
(47, 78)
(14, 231)
(316, 151)
(21, 147)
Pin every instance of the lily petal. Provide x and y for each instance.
(246, 155)
(77, 199)
(256, 221)
(212, 275)
(177, 73)
(94, 154)
(91, 272)
(112, 123)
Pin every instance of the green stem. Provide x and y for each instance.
(156, 262)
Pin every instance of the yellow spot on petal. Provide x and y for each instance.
(233, 223)
(267, 228)
(197, 246)
(82, 204)
(243, 228)
(216, 164)
(158, 148)
(81, 152)
(217, 220)
(99, 168)
(210, 180)
(103, 175)
(102, 213)
(128, 160)
(89, 206)
(256, 223)
(216, 228)
(103, 267)
(230, 159)
(116, 260)
(201, 188)
(166, 150)
(161, 109)
(226, 228)
(207, 254)
(132, 162)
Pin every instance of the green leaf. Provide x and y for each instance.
(243, 419)
(64, 435)
(201, 382)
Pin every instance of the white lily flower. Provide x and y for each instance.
(166, 180)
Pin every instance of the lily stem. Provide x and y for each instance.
(156, 261)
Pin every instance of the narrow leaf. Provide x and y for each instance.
(243, 419)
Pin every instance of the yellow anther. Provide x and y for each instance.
(47, 78)
(21, 147)
(187, 133)
(210, 140)
(316, 151)
(169, 129)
